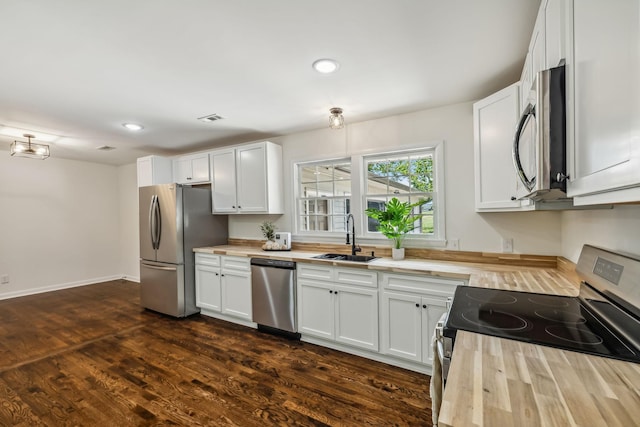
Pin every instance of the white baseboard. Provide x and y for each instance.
(59, 286)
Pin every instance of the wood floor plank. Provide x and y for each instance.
(91, 356)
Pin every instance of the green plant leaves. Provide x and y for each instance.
(396, 220)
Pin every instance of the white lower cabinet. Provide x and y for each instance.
(223, 286)
(235, 287)
(338, 304)
(410, 308)
(408, 323)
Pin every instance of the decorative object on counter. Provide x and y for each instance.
(268, 229)
(395, 221)
(336, 119)
(29, 149)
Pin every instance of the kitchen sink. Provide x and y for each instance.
(343, 257)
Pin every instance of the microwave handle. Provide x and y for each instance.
(529, 112)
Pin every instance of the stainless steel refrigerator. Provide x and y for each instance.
(174, 219)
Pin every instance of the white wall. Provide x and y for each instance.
(128, 219)
(532, 232)
(59, 224)
(617, 229)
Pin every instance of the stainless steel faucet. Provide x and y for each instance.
(354, 248)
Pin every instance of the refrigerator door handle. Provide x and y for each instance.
(152, 231)
(158, 222)
(155, 267)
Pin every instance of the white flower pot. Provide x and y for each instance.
(397, 254)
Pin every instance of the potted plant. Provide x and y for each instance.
(268, 230)
(395, 221)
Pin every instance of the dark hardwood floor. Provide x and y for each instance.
(90, 356)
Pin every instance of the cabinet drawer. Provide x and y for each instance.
(422, 284)
(356, 276)
(207, 259)
(236, 263)
(313, 271)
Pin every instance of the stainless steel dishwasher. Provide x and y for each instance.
(273, 294)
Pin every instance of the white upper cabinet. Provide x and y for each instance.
(191, 169)
(604, 102)
(153, 170)
(555, 34)
(247, 179)
(494, 123)
(537, 47)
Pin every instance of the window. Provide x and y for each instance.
(327, 191)
(324, 196)
(409, 176)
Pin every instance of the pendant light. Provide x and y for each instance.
(336, 119)
(29, 149)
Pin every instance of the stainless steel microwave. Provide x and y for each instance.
(539, 145)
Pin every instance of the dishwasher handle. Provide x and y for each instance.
(273, 263)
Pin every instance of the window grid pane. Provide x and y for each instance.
(408, 177)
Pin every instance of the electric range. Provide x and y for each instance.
(604, 320)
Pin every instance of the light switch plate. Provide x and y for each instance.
(507, 245)
(454, 244)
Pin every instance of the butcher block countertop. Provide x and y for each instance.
(515, 278)
(500, 382)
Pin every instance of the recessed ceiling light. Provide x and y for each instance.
(133, 126)
(326, 66)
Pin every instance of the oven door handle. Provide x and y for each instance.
(440, 327)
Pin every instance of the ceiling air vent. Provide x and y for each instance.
(106, 148)
(211, 118)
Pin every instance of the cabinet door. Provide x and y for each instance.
(537, 46)
(554, 32)
(606, 97)
(252, 178)
(154, 170)
(200, 168)
(223, 181)
(236, 294)
(494, 121)
(432, 309)
(315, 309)
(182, 171)
(208, 287)
(402, 326)
(356, 317)
(145, 172)
(527, 95)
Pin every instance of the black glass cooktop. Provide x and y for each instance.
(555, 321)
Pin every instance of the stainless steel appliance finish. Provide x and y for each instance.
(273, 294)
(604, 320)
(539, 145)
(174, 219)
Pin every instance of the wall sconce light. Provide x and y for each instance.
(336, 119)
(29, 149)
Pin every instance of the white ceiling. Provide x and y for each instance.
(81, 68)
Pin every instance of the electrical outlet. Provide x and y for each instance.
(454, 244)
(4, 279)
(507, 245)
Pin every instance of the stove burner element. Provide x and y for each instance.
(494, 298)
(575, 335)
(493, 319)
(560, 316)
(549, 302)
